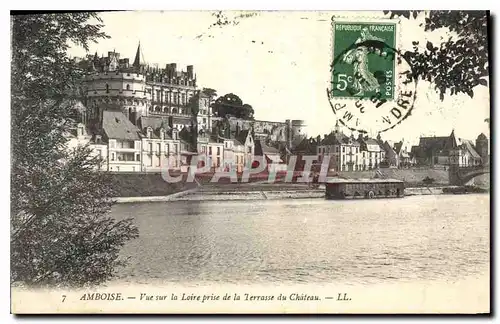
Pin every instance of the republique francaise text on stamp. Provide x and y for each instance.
(372, 85)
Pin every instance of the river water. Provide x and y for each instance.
(308, 241)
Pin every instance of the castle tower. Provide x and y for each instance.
(296, 132)
(482, 148)
(113, 85)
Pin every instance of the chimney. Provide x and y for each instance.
(173, 68)
(190, 72)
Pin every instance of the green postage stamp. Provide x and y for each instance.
(366, 63)
(372, 88)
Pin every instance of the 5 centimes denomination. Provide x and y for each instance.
(372, 88)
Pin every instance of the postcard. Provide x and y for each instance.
(251, 162)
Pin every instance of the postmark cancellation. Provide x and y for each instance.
(372, 88)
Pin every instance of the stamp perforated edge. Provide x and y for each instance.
(369, 19)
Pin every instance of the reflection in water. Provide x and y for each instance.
(421, 237)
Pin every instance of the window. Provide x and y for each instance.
(137, 157)
(99, 153)
(210, 150)
(218, 162)
(167, 149)
(218, 150)
(343, 149)
(336, 149)
(159, 147)
(175, 148)
(112, 156)
(128, 86)
(107, 88)
(249, 149)
(150, 147)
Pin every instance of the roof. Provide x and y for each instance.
(242, 135)
(398, 146)
(262, 148)
(336, 138)
(307, 145)
(156, 123)
(388, 148)
(360, 180)
(371, 141)
(440, 143)
(469, 147)
(116, 125)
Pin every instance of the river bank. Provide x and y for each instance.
(269, 193)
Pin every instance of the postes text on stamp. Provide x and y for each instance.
(372, 87)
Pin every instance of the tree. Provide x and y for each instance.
(457, 64)
(231, 104)
(210, 93)
(60, 231)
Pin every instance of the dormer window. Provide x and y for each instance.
(149, 132)
(98, 139)
(174, 134)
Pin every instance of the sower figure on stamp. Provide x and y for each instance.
(364, 80)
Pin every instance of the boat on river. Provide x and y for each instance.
(340, 188)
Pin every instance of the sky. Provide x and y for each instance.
(279, 62)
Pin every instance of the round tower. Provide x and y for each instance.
(114, 90)
(482, 148)
(296, 132)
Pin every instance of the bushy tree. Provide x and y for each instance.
(231, 104)
(457, 64)
(60, 231)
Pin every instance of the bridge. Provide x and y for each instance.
(459, 176)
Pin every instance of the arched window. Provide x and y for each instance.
(128, 86)
(174, 111)
(157, 109)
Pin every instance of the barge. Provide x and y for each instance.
(339, 188)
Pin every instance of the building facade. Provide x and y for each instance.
(139, 112)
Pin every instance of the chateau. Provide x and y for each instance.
(142, 118)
